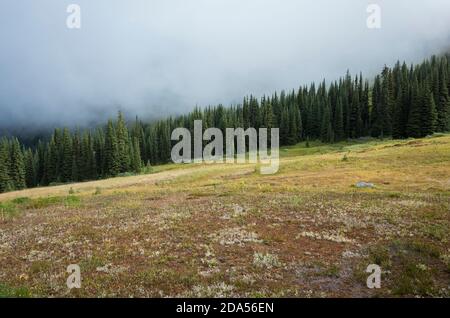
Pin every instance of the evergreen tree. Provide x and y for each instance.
(267, 118)
(138, 132)
(67, 157)
(111, 164)
(365, 110)
(338, 121)
(299, 120)
(77, 158)
(356, 124)
(5, 179)
(136, 158)
(30, 169)
(123, 155)
(413, 128)
(52, 162)
(152, 146)
(398, 116)
(17, 169)
(429, 113)
(443, 105)
(292, 133)
(387, 101)
(375, 116)
(327, 134)
(284, 128)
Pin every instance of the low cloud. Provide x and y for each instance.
(154, 58)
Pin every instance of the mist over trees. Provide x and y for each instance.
(401, 102)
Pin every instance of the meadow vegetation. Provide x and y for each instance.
(226, 230)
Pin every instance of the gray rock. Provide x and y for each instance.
(362, 184)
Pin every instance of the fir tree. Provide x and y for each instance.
(443, 105)
(356, 125)
(413, 128)
(17, 169)
(398, 124)
(5, 179)
(429, 113)
(67, 157)
(111, 165)
(327, 134)
(52, 162)
(284, 129)
(30, 169)
(292, 133)
(123, 155)
(136, 156)
(77, 157)
(338, 121)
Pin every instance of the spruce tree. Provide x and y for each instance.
(90, 169)
(77, 158)
(17, 168)
(67, 156)
(413, 127)
(292, 126)
(377, 115)
(298, 118)
(398, 124)
(365, 110)
(284, 127)
(338, 121)
(429, 113)
(30, 169)
(138, 132)
(5, 179)
(152, 145)
(136, 156)
(123, 155)
(387, 101)
(267, 117)
(443, 105)
(111, 152)
(52, 162)
(356, 125)
(327, 134)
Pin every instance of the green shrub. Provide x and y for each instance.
(14, 292)
(415, 279)
(21, 200)
(72, 201)
(40, 203)
(7, 209)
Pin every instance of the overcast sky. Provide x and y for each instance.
(157, 57)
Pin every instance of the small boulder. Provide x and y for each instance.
(362, 184)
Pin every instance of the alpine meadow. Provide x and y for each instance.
(101, 198)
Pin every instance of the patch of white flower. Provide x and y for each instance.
(266, 260)
(350, 254)
(218, 290)
(235, 212)
(235, 236)
(332, 236)
(111, 269)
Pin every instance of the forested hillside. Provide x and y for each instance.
(403, 101)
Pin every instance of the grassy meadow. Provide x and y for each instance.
(227, 231)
